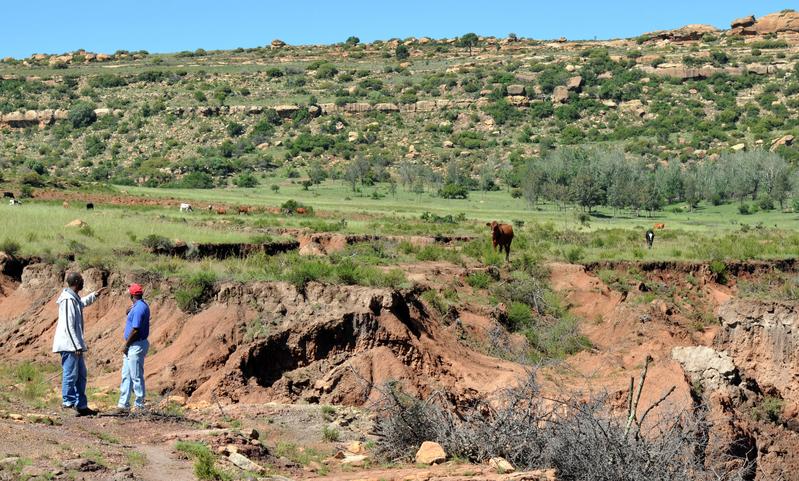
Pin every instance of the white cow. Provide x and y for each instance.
(14, 202)
(186, 207)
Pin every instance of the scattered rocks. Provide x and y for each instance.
(430, 453)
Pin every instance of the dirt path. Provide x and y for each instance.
(162, 466)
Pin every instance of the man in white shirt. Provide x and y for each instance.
(70, 344)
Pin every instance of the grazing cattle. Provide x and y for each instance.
(89, 206)
(660, 226)
(650, 238)
(8, 195)
(186, 207)
(65, 205)
(502, 236)
(301, 210)
(14, 202)
(210, 208)
(244, 209)
(221, 211)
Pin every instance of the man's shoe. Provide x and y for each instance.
(80, 412)
(120, 412)
(67, 406)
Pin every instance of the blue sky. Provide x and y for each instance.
(50, 26)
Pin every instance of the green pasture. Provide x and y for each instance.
(113, 236)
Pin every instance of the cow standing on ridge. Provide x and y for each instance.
(502, 236)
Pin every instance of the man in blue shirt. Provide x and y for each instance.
(137, 330)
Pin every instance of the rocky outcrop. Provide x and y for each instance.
(682, 72)
(785, 21)
(691, 32)
(743, 22)
(762, 339)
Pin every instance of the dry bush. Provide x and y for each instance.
(581, 437)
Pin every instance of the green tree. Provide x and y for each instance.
(468, 40)
(352, 41)
(401, 52)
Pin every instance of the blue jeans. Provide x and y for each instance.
(73, 380)
(133, 374)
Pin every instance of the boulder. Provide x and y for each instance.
(277, 43)
(386, 107)
(516, 89)
(785, 140)
(501, 465)
(356, 447)
(77, 223)
(738, 147)
(245, 463)
(430, 453)
(518, 100)
(743, 22)
(286, 111)
(560, 95)
(711, 368)
(575, 83)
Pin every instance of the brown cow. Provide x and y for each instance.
(65, 205)
(660, 226)
(244, 209)
(301, 211)
(221, 211)
(502, 236)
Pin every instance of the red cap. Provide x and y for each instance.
(135, 290)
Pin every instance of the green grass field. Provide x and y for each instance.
(114, 233)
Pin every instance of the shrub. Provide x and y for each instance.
(193, 180)
(519, 316)
(330, 434)
(246, 180)
(204, 467)
(452, 190)
(234, 129)
(194, 291)
(157, 243)
(574, 254)
(769, 409)
(743, 209)
(478, 280)
(82, 115)
(304, 271)
(583, 438)
(719, 270)
(401, 52)
(10, 247)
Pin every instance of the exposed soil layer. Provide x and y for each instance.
(261, 342)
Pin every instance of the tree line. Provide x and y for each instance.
(590, 178)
